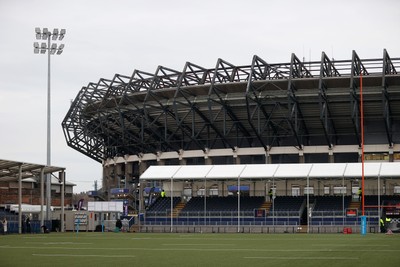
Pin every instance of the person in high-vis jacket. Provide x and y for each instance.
(384, 223)
(387, 222)
(270, 194)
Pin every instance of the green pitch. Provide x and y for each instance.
(135, 249)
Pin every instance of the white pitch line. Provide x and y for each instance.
(201, 249)
(59, 243)
(198, 244)
(348, 245)
(302, 258)
(84, 255)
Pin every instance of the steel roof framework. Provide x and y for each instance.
(258, 105)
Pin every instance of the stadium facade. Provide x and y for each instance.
(261, 113)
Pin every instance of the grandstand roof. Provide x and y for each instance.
(265, 171)
(293, 104)
(9, 170)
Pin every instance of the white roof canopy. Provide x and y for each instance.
(226, 171)
(328, 170)
(293, 170)
(193, 171)
(160, 172)
(259, 170)
(355, 170)
(264, 171)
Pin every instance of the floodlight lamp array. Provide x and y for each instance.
(45, 34)
(42, 48)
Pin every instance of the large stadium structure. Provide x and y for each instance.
(262, 113)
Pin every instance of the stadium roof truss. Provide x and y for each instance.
(259, 105)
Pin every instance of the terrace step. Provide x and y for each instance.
(178, 209)
(266, 205)
(354, 205)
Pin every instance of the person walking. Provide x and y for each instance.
(359, 194)
(387, 224)
(118, 225)
(270, 194)
(4, 226)
(382, 225)
(28, 225)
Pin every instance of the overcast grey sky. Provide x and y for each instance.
(117, 36)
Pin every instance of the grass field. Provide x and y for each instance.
(136, 249)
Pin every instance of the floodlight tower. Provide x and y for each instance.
(51, 49)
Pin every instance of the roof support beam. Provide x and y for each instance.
(191, 74)
(260, 70)
(357, 68)
(209, 124)
(163, 78)
(388, 68)
(223, 72)
(295, 116)
(297, 68)
(327, 70)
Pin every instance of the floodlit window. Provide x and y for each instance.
(396, 189)
(326, 190)
(377, 156)
(201, 192)
(339, 190)
(309, 190)
(295, 191)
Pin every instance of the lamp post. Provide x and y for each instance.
(51, 48)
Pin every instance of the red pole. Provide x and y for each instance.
(362, 145)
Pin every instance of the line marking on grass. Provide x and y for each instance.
(59, 243)
(304, 258)
(198, 244)
(348, 245)
(201, 249)
(84, 255)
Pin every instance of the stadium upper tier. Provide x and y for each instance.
(258, 105)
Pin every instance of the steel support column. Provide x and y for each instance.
(327, 69)
(357, 68)
(388, 68)
(20, 199)
(295, 116)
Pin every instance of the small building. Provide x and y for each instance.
(24, 184)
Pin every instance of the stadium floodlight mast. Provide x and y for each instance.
(51, 48)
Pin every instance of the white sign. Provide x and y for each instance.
(106, 206)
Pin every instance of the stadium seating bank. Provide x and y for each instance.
(265, 198)
(283, 214)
